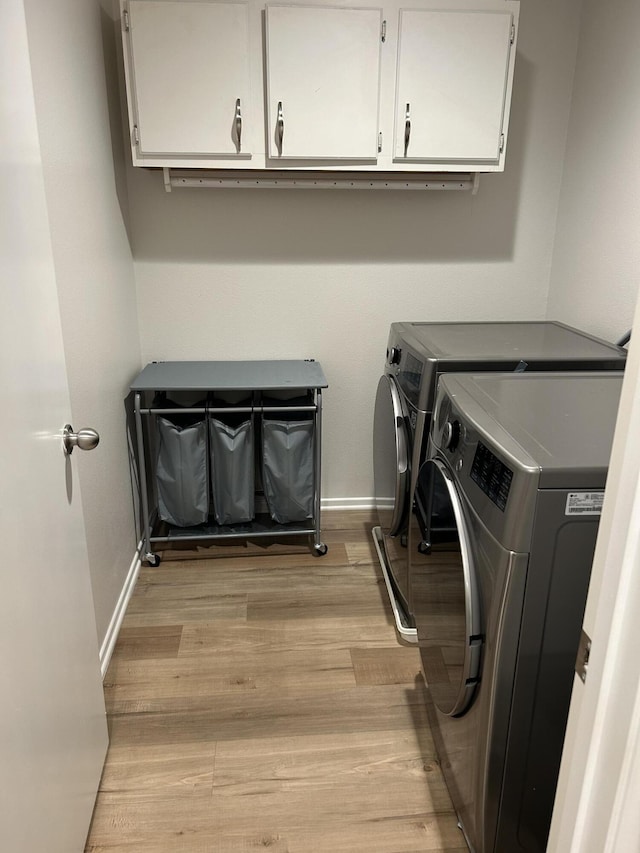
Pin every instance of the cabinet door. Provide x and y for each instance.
(323, 78)
(452, 82)
(188, 77)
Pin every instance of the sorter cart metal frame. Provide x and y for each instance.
(250, 377)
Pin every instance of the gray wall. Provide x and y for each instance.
(596, 262)
(293, 273)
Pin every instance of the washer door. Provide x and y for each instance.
(446, 606)
(390, 456)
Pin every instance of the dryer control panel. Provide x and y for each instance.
(408, 369)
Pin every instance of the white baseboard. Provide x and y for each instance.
(106, 650)
(347, 503)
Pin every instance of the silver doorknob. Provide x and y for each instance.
(85, 439)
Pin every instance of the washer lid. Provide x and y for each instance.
(563, 423)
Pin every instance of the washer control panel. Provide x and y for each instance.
(491, 475)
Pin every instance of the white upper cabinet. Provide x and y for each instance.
(452, 84)
(323, 82)
(334, 86)
(188, 80)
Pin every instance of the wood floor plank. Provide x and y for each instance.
(340, 599)
(399, 665)
(293, 672)
(363, 553)
(196, 603)
(260, 714)
(409, 833)
(240, 575)
(361, 520)
(348, 536)
(176, 550)
(142, 643)
(135, 773)
(338, 773)
(273, 557)
(173, 826)
(275, 636)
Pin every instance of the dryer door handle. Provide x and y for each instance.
(391, 456)
(403, 450)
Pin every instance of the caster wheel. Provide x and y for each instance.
(424, 548)
(321, 549)
(153, 560)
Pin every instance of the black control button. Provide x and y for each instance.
(395, 355)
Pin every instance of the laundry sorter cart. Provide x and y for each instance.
(228, 450)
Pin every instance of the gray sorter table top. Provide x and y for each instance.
(229, 376)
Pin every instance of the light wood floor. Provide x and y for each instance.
(261, 702)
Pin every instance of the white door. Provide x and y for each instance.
(323, 78)
(53, 733)
(452, 80)
(189, 77)
(596, 807)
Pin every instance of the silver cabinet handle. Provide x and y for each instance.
(85, 439)
(238, 126)
(407, 128)
(280, 128)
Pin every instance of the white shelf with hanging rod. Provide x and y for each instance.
(218, 179)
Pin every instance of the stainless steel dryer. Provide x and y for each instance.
(523, 461)
(417, 355)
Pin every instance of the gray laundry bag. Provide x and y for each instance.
(181, 473)
(232, 471)
(287, 469)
